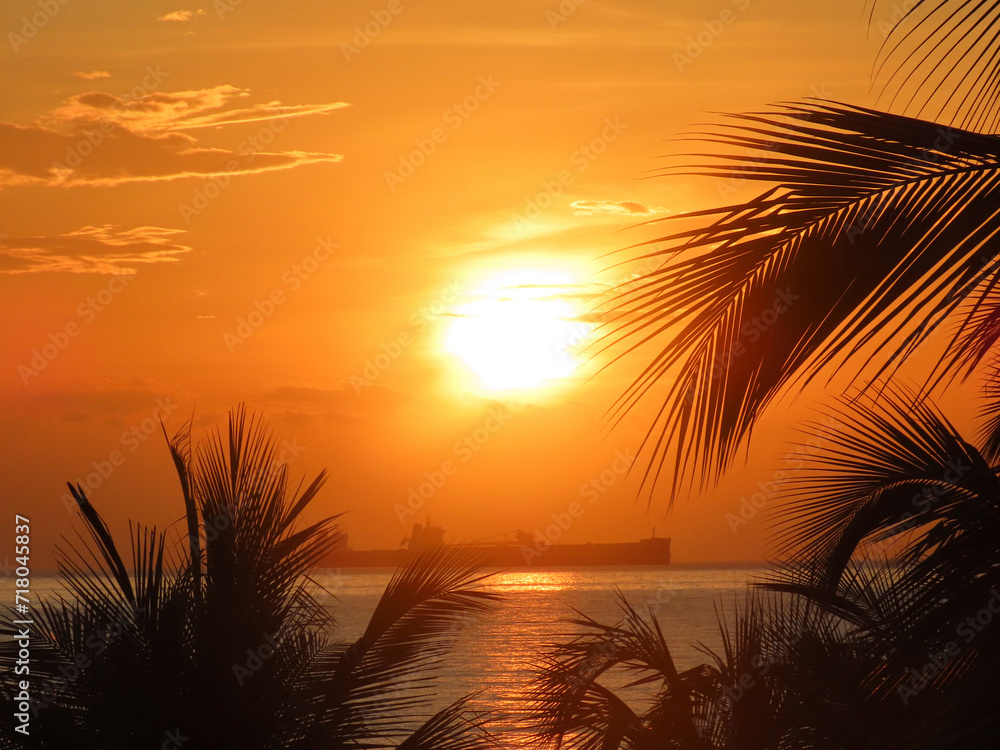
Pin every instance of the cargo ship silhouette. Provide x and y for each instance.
(522, 551)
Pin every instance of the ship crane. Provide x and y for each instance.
(513, 533)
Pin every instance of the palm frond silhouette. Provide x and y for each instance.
(881, 631)
(875, 232)
(220, 640)
(941, 61)
(879, 229)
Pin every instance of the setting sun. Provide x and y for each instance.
(521, 330)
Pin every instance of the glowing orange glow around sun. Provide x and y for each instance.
(522, 329)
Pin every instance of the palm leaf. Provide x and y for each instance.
(105, 542)
(941, 60)
(896, 471)
(179, 637)
(894, 465)
(450, 729)
(989, 434)
(180, 452)
(382, 680)
(571, 703)
(254, 554)
(876, 232)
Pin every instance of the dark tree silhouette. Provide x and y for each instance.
(219, 640)
(884, 633)
(873, 231)
(881, 629)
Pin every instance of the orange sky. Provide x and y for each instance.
(358, 173)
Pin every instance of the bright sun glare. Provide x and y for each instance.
(522, 329)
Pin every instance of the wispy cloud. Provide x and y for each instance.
(160, 112)
(615, 208)
(256, 113)
(91, 75)
(181, 15)
(115, 401)
(97, 138)
(104, 250)
(299, 403)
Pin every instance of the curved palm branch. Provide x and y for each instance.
(572, 703)
(989, 434)
(180, 452)
(897, 471)
(943, 59)
(785, 677)
(231, 648)
(879, 228)
(450, 729)
(802, 667)
(380, 683)
(254, 556)
(895, 465)
(908, 675)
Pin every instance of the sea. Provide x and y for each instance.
(495, 654)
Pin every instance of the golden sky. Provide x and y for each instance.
(324, 209)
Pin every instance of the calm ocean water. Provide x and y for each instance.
(493, 656)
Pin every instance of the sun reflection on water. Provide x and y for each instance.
(533, 581)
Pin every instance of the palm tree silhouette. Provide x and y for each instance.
(873, 230)
(899, 488)
(876, 232)
(782, 679)
(222, 643)
(884, 634)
